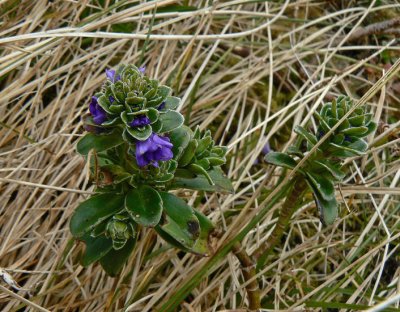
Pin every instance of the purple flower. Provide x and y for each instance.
(140, 121)
(266, 149)
(110, 73)
(142, 69)
(98, 113)
(156, 148)
(161, 106)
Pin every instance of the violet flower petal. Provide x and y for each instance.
(155, 148)
(110, 73)
(140, 121)
(98, 113)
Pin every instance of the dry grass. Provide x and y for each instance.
(248, 70)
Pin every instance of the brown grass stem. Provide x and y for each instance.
(248, 268)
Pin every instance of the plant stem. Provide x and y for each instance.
(249, 274)
(290, 205)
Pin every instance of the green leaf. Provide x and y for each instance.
(340, 113)
(328, 209)
(135, 100)
(155, 102)
(99, 229)
(332, 121)
(164, 91)
(172, 102)
(204, 163)
(165, 178)
(321, 185)
(294, 150)
(204, 143)
(152, 114)
(185, 179)
(99, 143)
(216, 161)
(200, 170)
(93, 211)
(114, 260)
(116, 109)
(334, 170)
(344, 125)
(322, 122)
(144, 205)
(188, 153)
(306, 135)
(325, 110)
(358, 147)
(280, 159)
(141, 134)
(338, 139)
(201, 246)
(356, 131)
(96, 248)
(169, 239)
(180, 139)
(111, 122)
(151, 93)
(117, 89)
(104, 103)
(344, 151)
(371, 128)
(220, 151)
(357, 121)
(170, 120)
(180, 221)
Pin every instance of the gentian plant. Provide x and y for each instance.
(323, 168)
(139, 150)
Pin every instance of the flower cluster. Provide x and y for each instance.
(142, 108)
(323, 168)
(142, 150)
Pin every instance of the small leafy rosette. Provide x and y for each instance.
(137, 103)
(347, 139)
(323, 169)
(199, 161)
(140, 151)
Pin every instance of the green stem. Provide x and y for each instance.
(248, 268)
(289, 207)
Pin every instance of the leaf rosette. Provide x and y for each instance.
(138, 104)
(323, 169)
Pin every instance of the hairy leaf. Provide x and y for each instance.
(144, 205)
(114, 260)
(280, 159)
(99, 143)
(93, 211)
